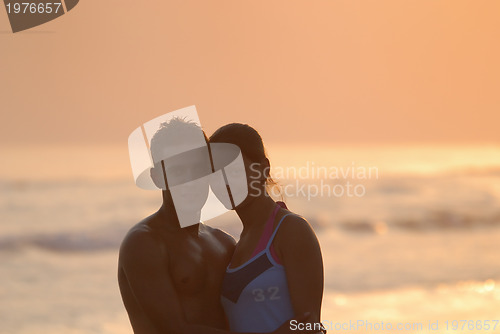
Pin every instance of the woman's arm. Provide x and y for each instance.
(298, 248)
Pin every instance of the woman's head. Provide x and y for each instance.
(250, 142)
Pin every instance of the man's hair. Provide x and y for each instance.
(177, 131)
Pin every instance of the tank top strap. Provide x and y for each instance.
(268, 229)
(270, 242)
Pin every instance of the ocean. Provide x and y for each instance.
(409, 234)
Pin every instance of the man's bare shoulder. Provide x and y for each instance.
(140, 239)
(223, 237)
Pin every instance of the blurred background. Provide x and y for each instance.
(405, 89)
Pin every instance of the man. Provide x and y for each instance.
(169, 275)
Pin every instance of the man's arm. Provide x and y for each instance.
(144, 265)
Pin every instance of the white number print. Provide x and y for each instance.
(33, 8)
(274, 290)
(260, 295)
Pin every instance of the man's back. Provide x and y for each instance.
(172, 276)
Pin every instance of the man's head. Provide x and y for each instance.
(180, 147)
(181, 164)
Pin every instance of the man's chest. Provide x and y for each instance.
(196, 265)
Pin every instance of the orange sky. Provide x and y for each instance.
(334, 71)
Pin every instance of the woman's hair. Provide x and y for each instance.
(248, 140)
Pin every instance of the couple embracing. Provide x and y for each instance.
(178, 278)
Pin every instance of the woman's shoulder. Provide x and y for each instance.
(293, 226)
(291, 218)
(295, 237)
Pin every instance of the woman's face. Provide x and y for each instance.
(257, 173)
(233, 174)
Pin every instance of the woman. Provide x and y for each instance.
(276, 271)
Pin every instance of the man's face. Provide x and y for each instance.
(187, 179)
(187, 166)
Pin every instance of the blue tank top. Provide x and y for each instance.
(255, 295)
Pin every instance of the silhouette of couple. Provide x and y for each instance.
(178, 275)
